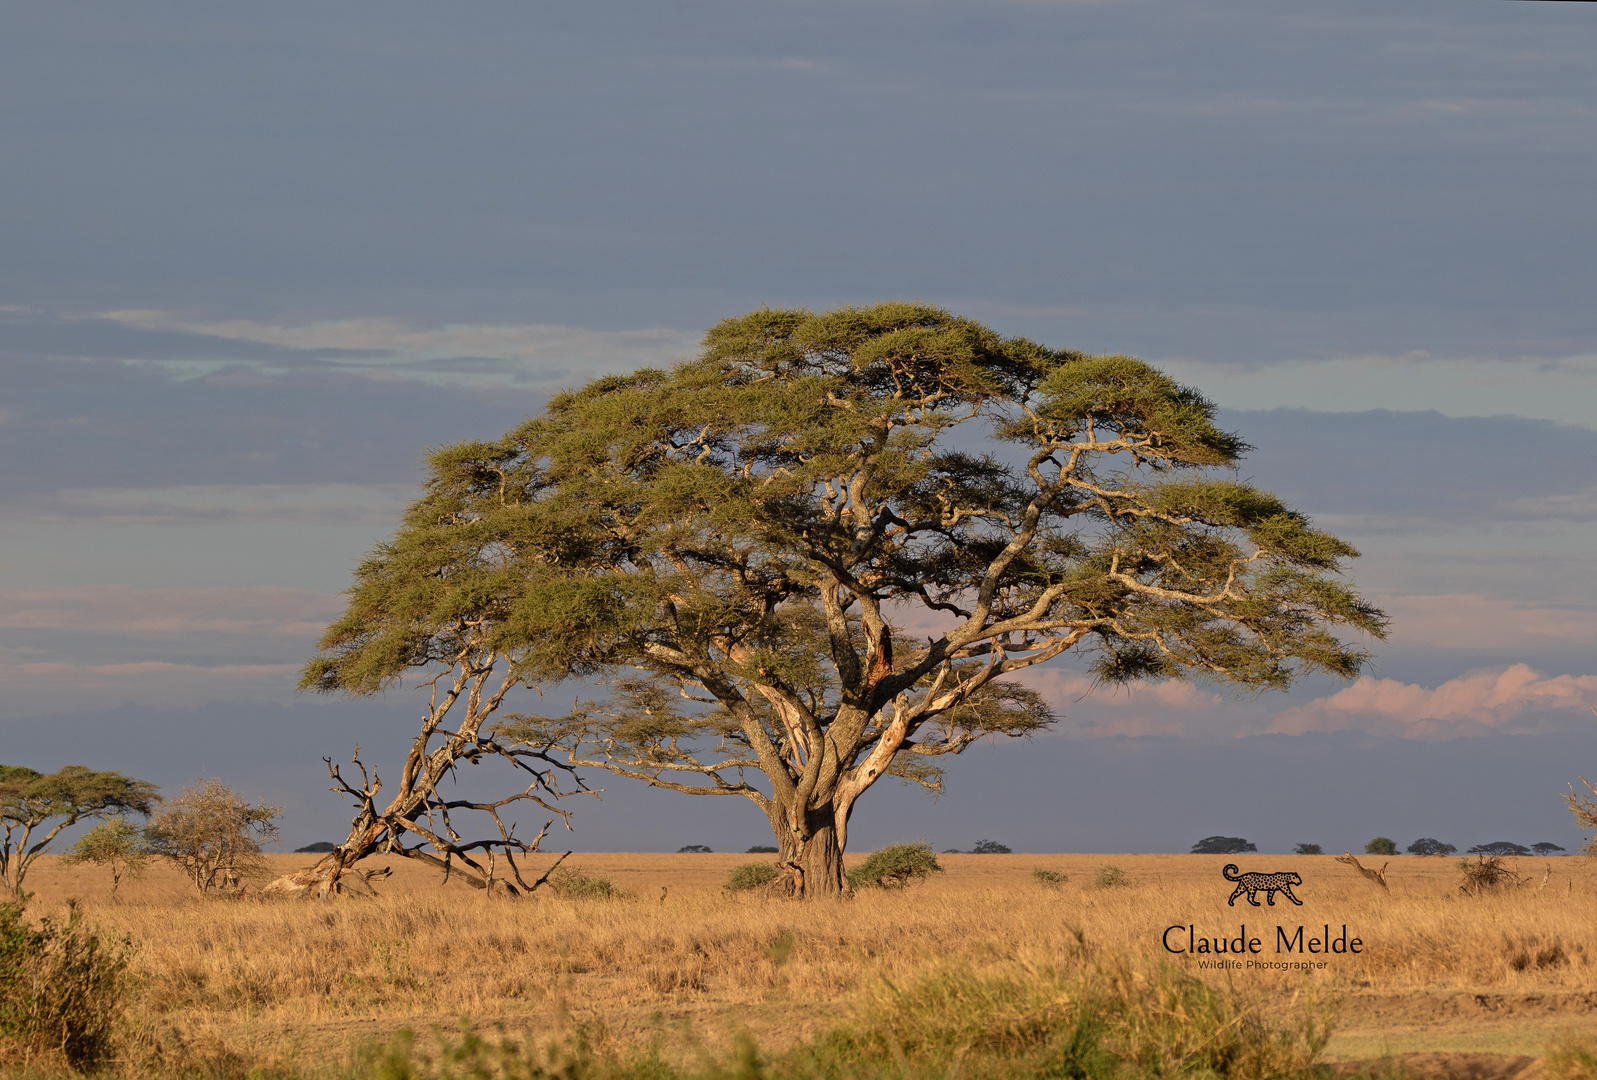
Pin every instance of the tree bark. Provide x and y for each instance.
(822, 860)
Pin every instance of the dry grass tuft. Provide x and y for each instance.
(262, 979)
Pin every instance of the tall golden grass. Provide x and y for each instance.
(266, 977)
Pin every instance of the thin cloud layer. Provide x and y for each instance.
(1502, 700)
(35, 687)
(1477, 621)
(528, 353)
(122, 609)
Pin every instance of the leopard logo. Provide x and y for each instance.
(1252, 883)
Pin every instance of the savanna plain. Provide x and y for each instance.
(985, 969)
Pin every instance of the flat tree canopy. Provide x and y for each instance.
(1223, 845)
(1427, 845)
(806, 559)
(36, 807)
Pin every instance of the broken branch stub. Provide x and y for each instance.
(1377, 876)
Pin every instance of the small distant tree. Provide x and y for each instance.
(702, 849)
(321, 847)
(116, 845)
(1381, 845)
(35, 807)
(762, 849)
(990, 847)
(1426, 845)
(1222, 845)
(213, 835)
(1307, 849)
(1500, 848)
(1544, 848)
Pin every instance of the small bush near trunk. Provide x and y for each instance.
(751, 875)
(895, 866)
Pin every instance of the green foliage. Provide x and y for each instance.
(990, 847)
(213, 835)
(696, 849)
(1381, 845)
(1571, 1057)
(762, 849)
(117, 845)
(751, 875)
(1223, 845)
(62, 989)
(727, 545)
(895, 866)
(1110, 877)
(35, 807)
(1307, 849)
(1049, 879)
(1105, 1024)
(571, 883)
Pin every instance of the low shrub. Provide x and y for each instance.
(62, 989)
(1571, 1058)
(1307, 849)
(1049, 879)
(1110, 877)
(1105, 1023)
(1488, 873)
(751, 875)
(571, 883)
(895, 866)
(990, 847)
(761, 849)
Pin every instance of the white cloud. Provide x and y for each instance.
(1473, 704)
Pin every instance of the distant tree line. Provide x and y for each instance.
(1380, 845)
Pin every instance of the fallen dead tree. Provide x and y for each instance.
(1378, 877)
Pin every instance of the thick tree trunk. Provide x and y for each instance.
(822, 862)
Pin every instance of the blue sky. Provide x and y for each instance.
(253, 262)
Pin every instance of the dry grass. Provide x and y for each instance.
(267, 978)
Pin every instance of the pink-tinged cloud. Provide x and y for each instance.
(122, 609)
(1088, 707)
(1473, 704)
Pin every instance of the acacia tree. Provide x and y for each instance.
(213, 835)
(36, 807)
(806, 559)
(117, 845)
